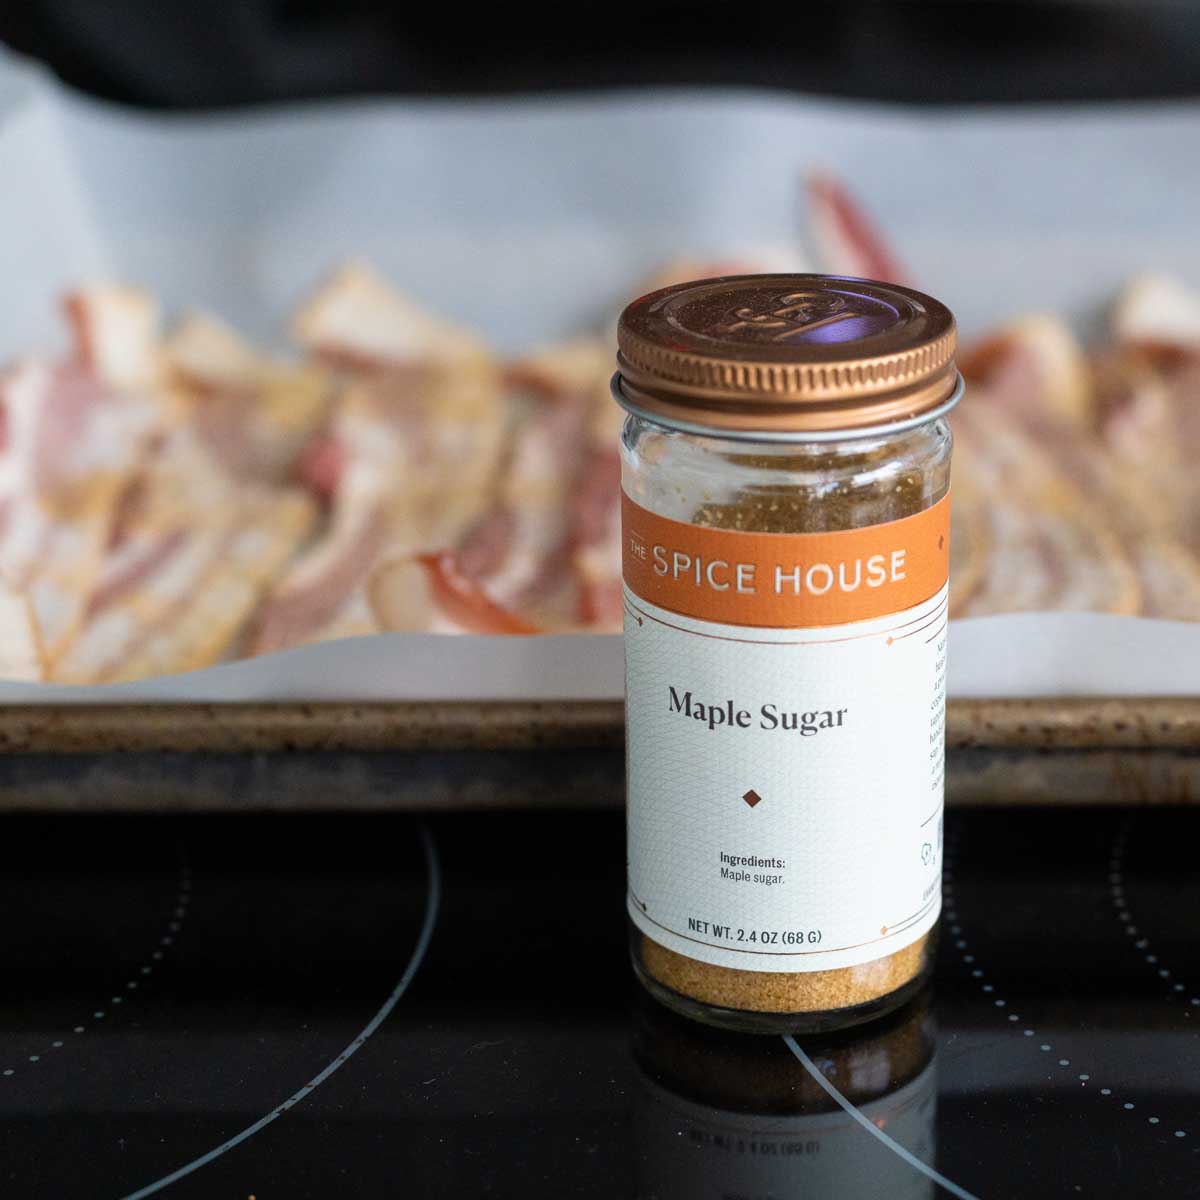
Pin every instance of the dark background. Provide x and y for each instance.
(162, 54)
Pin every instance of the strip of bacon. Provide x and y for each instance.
(116, 635)
(1036, 369)
(177, 524)
(463, 600)
(359, 321)
(71, 564)
(1048, 551)
(507, 540)
(433, 593)
(134, 559)
(847, 241)
(24, 522)
(1158, 311)
(313, 600)
(22, 655)
(596, 540)
(417, 451)
(269, 526)
(422, 404)
(70, 444)
(187, 611)
(511, 572)
(1150, 391)
(970, 536)
(536, 493)
(1034, 373)
(115, 330)
(409, 462)
(257, 413)
(174, 492)
(322, 464)
(1170, 576)
(578, 374)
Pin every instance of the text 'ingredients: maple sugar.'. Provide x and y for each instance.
(786, 474)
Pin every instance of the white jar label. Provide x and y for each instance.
(784, 784)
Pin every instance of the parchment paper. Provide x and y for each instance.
(530, 220)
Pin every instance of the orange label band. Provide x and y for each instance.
(785, 580)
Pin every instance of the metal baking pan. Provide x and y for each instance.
(309, 757)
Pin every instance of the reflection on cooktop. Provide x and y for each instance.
(356, 1006)
(717, 1115)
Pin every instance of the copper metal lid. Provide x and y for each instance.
(786, 355)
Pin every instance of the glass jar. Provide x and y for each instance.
(786, 473)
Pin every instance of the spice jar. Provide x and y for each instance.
(785, 534)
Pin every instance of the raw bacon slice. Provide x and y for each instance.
(1151, 394)
(186, 612)
(847, 241)
(1048, 551)
(184, 531)
(493, 552)
(116, 334)
(579, 373)
(320, 597)
(258, 414)
(21, 654)
(1157, 311)
(422, 403)
(174, 494)
(69, 445)
(207, 355)
(70, 564)
(116, 632)
(1138, 513)
(1036, 374)
(1036, 369)
(401, 595)
(581, 367)
(321, 465)
(270, 525)
(1170, 577)
(511, 572)
(409, 464)
(1133, 411)
(133, 557)
(532, 576)
(598, 567)
(431, 593)
(970, 537)
(59, 427)
(24, 521)
(359, 321)
(1150, 430)
(595, 538)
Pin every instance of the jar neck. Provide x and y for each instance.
(698, 422)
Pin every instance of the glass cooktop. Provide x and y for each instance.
(373, 1006)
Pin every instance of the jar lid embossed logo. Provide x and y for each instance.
(786, 316)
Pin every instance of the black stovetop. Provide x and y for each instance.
(376, 1006)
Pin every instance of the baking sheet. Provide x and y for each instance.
(530, 220)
